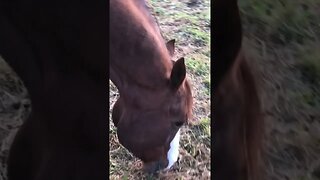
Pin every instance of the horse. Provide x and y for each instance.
(59, 50)
(237, 117)
(155, 96)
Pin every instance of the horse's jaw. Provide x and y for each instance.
(173, 152)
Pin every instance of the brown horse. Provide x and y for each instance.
(155, 97)
(237, 120)
(58, 48)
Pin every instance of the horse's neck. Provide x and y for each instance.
(150, 75)
(138, 55)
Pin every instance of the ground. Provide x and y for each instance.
(282, 41)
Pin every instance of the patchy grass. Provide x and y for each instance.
(198, 67)
(190, 26)
(309, 63)
(282, 40)
(282, 22)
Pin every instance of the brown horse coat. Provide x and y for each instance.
(237, 120)
(155, 97)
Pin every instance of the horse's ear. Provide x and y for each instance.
(178, 74)
(170, 46)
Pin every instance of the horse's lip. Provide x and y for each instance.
(172, 156)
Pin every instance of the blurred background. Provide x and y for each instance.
(282, 40)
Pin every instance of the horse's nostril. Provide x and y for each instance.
(16, 105)
(178, 123)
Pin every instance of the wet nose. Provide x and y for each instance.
(153, 167)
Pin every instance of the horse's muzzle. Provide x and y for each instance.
(155, 166)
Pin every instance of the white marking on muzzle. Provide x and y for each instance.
(173, 152)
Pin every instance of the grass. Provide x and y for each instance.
(190, 26)
(198, 67)
(310, 63)
(282, 40)
(282, 21)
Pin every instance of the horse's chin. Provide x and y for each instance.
(165, 164)
(173, 152)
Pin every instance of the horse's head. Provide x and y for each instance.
(148, 125)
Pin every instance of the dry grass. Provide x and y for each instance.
(282, 40)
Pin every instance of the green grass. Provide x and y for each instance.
(197, 34)
(307, 98)
(287, 24)
(198, 67)
(201, 68)
(283, 21)
(310, 64)
(191, 27)
(205, 125)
